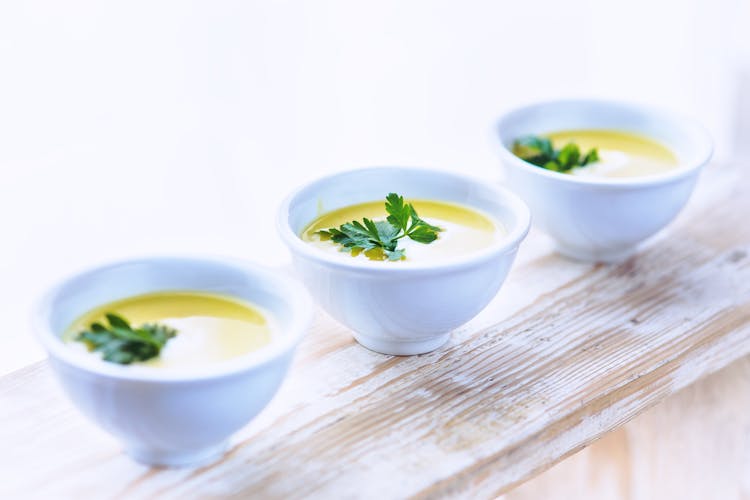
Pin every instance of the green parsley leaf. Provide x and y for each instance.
(419, 223)
(379, 239)
(568, 156)
(423, 234)
(591, 157)
(398, 215)
(120, 343)
(533, 147)
(540, 152)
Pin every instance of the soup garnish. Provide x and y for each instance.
(611, 153)
(540, 152)
(382, 237)
(121, 343)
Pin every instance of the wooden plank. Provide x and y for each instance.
(693, 446)
(566, 353)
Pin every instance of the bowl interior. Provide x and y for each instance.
(373, 184)
(285, 303)
(683, 136)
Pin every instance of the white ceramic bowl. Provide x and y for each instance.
(603, 219)
(173, 417)
(402, 308)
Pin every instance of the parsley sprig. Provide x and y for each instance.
(539, 151)
(121, 343)
(380, 238)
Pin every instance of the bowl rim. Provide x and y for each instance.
(705, 145)
(503, 245)
(300, 309)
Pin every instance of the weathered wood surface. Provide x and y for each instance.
(693, 446)
(566, 353)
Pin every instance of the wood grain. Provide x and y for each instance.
(566, 353)
(693, 446)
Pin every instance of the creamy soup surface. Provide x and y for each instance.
(464, 230)
(621, 154)
(210, 328)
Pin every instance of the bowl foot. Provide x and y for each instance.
(402, 347)
(595, 255)
(183, 458)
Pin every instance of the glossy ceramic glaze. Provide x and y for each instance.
(394, 308)
(173, 417)
(603, 219)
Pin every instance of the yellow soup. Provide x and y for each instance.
(621, 154)
(210, 328)
(464, 230)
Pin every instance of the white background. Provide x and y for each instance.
(131, 128)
